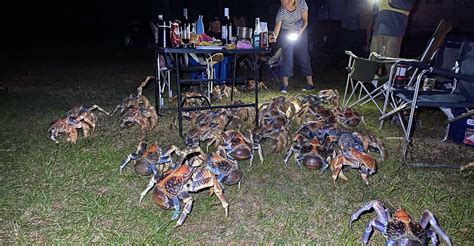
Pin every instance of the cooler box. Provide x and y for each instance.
(462, 131)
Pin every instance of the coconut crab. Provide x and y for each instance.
(219, 92)
(145, 117)
(226, 169)
(280, 136)
(400, 229)
(329, 97)
(348, 117)
(174, 186)
(361, 142)
(147, 159)
(308, 153)
(237, 145)
(314, 113)
(76, 118)
(358, 160)
(134, 100)
(250, 85)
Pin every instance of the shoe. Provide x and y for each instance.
(308, 87)
(283, 89)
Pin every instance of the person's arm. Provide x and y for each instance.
(304, 16)
(277, 29)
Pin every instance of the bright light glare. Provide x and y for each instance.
(293, 36)
(374, 1)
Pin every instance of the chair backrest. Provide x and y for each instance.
(363, 70)
(444, 27)
(466, 67)
(448, 53)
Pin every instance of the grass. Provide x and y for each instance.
(75, 194)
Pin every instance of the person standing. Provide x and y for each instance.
(290, 33)
(388, 26)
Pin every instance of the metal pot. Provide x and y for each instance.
(244, 33)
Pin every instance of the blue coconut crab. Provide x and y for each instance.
(400, 229)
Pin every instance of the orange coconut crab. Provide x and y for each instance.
(361, 161)
(137, 109)
(77, 118)
(174, 186)
(308, 153)
(400, 229)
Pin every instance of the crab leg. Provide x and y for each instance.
(95, 106)
(428, 218)
(206, 181)
(126, 161)
(150, 185)
(288, 155)
(382, 215)
(177, 210)
(370, 228)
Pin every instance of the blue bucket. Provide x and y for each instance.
(462, 131)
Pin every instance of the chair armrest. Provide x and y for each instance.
(450, 74)
(349, 53)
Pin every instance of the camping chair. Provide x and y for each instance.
(426, 58)
(462, 96)
(362, 72)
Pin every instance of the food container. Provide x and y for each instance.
(244, 33)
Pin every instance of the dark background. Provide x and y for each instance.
(62, 28)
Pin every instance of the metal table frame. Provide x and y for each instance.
(227, 52)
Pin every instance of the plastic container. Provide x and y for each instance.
(462, 131)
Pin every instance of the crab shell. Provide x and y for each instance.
(312, 158)
(232, 174)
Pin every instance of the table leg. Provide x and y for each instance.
(234, 69)
(157, 84)
(178, 96)
(256, 88)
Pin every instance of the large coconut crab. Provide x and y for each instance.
(307, 153)
(280, 136)
(347, 117)
(400, 229)
(148, 158)
(136, 109)
(76, 118)
(361, 161)
(174, 186)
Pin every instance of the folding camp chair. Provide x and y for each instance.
(362, 72)
(462, 96)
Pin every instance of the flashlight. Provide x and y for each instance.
(293, 36)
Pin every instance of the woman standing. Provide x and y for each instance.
(290, 32)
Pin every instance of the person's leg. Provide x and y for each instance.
(304, 60)
(392, 49)
(287, 61)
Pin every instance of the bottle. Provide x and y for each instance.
(200, 25)
(185, 23)
(263, 35)
(226, 28)
(164, 31)
(256, 33)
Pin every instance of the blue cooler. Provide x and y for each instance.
(462, 131)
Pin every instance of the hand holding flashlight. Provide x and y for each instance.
(293, 36)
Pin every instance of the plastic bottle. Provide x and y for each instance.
(263, 35)
(200, 25)
(256, 33)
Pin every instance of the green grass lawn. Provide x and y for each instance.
(76, 194)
